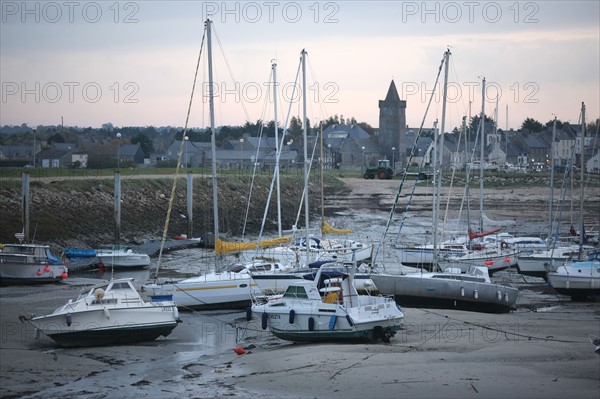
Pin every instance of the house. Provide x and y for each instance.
(535, 146)
(131, 153)
(54, 158)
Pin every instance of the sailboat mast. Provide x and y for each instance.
(482, 143)
(213, 132)
(581, 231)
(276, 148)
(435, 193)
(305, 139)
(551, 202)
(441, 140)
(322, 192)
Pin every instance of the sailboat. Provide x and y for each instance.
(230, 289)
(558, 253)
(582, 278)
(450, 288)
(495, 255)
(327, 308)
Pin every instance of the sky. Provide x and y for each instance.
(133, 63)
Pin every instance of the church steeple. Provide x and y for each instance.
(392, 126)
(392, 94)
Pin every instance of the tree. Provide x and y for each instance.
(144, 142)
(474, 124)
(55, 138)
(550, 123)
(532, 126)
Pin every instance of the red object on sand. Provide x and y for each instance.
(239, 350)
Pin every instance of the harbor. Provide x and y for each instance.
(541, 349)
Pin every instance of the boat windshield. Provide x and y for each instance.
(295, 292)
(15, 249)
(592, 256)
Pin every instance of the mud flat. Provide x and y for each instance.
(540, 350)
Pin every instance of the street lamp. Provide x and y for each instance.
(186, 138)
(33, 148)
(241, 151)
(363, 154)
(393, 158)
(119, 151)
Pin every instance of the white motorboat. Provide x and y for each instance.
(273, 284)
(220, 290)
(30, 263)
(579, 279)
(109, 313)
(122, 257)
(450, 289)
(335, 250)
(328, 309)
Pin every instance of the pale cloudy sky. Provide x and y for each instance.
(133, 62)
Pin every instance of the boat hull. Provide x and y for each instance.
(330, 323)
(578, 280)
(30, 274)
(447, 293)
(207, 295)
(125, 261)
(112, 326)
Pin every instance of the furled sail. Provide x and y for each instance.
(326, 228)
(223, 247)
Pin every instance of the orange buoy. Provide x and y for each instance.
(239, 350)
(489, 262)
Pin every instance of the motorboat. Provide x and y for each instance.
(450, 289)
(332, 250)
(30, 263)
(578, 279)
(328, 309)
(110, 313)
(273, 284)
(122, 257)
(230, 289)
(115, 256)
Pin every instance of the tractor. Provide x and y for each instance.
(383, 170)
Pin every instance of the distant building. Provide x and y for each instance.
(392, 126)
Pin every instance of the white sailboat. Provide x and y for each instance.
(220, 289)
(578, 279)
(450, 288)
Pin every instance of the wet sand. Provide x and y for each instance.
(540, 350)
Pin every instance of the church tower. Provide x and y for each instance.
(392, 126)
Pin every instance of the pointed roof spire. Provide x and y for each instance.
(392, 94)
